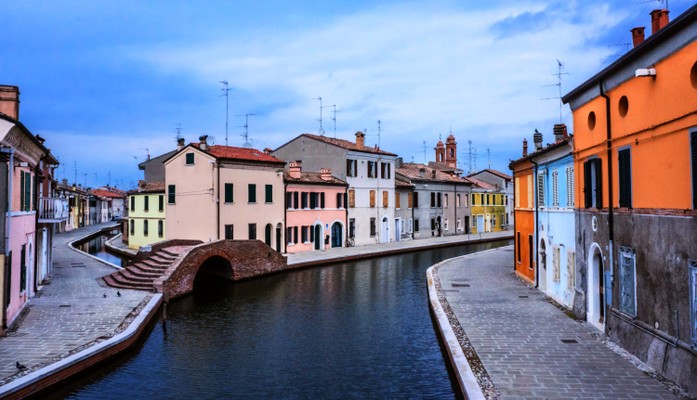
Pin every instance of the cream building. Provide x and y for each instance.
(222, 192)
(146, 215)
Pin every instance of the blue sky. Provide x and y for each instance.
(103, 81)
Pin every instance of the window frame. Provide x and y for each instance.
(171, 194)
(624, 177)
(627, 288)
(251, 193)
(229, 188)
(189, 158)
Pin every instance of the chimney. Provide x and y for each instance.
(659, 19)
(360, 139)
(9, 101)
(325, 174)
(433, 173)
(295, 169)
(267, 150)
(180, 143)
(525, 147)
(637, 35)
(537, 139)
(203, 145)
(560, 132)
(398, 162)
(422, 172)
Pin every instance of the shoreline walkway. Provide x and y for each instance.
(507, 340)
(70, 316)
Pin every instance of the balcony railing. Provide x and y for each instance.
(53, 209)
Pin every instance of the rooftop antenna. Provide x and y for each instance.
(424, 147)
(109, 178)
(179, 130)
(559, 73)
(247, 143)
(75, 170)
(225, 90)
(488, 157)
(333, 118)
(321, 130)
(84, 179)
(474, 162)
(379, 132)
(470, 166)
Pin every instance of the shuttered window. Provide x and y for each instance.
(321, 200)
(161, 202)
(593, 183)
(372, 198)
(146, 203)
(313, 200)
(555, 188)
(228, 192)
(252, 193)
(372, 227)
(351, 167)
(541, 190)
(416, 199)
(410, 200)
(628, 281)
(252, 228)
(625, 178)
(269, 194)
(145, 227)
(569, 186)
(229, 232)
(556, 267)
(303, 200)
(570, 274)
(171, 194)
(517, 192)
(133, 203)
(351, 198)
(160, 228)
(397, 200)
(693, 148)
(530, 190)
(385, 199)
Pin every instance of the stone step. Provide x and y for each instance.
(154, 264)
(132, 276)
(144, 271)
(112, 282)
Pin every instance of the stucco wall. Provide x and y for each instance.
(325, 217)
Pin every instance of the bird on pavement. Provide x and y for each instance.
(21, 367)
(118, 293)
(104, 295)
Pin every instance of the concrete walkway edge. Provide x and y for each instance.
(468, 382)
(81, 238)
(88, 355)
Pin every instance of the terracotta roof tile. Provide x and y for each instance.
(313, 177)
(347, 144)
(149, 187)
(239, 153)
(108, 193)
(414, 171)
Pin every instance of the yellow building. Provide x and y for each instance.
(146, 215)
(487, 207)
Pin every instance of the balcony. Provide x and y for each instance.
(52, 210)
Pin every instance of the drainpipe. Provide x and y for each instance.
(217, 198)
(610, 216)
(537, 216)
(285, 217)
(8, 219)
(413, 206)
(346, 225)
(515, 228)
(37, 203)
(455, 205)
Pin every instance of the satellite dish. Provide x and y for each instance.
(211, 140)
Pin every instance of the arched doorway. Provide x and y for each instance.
(543, 266)
(385, 231)
(267, 234)
(318, 237)
(279, 232)
(596, 288)
(337, 237)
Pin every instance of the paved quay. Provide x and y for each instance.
(68, 314)
(521, 346)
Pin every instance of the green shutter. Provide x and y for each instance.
(21, 190)
(27, 191)
(171, 194)
(252, 196)
(269, 193)
(228, 192)
(625, 178)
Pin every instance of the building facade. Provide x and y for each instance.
(315, 210)
(525, 255)
(635, 127)
(145, 224)
(487, 207)
(503, 183)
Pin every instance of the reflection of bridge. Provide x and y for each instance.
(171, 267)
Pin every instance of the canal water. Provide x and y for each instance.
(353, 330)
(97, 247)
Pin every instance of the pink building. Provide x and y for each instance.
(315, 209)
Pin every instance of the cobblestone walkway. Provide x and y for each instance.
(529, 348)
(69, 313)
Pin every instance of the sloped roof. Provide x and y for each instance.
(494, 172)
(313, 178)
(481, 184)
(413, 171)
(239, 153)
(108, 193)
(159, 159)
(148, 187)
(542, 151)
(348, 145)
(402, 184)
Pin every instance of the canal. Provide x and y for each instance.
(96, 246)
(353, 330)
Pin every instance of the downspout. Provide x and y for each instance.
(346, 225)
(285, 216)
(8, 219)
(515, 227)
(537, 216)
(455, 205)
(610, 216)
(37, 205)
(413, 206)
(217, 199)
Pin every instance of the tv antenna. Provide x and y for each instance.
(488, 157)
(246, 129)
(333, 117)
(321, 130)
(75, 170)
(225, 90)
(379, 132)
(178, 129)
(424, 148)
(559, 73)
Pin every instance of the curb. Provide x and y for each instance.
(465, 376)
(55, 373)
(72, 243)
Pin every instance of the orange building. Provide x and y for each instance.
(635, 147)
(524, 217)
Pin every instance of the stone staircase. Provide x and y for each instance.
(141, 275)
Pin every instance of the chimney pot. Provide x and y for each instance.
(295, 169)
(537, 139)
(659, 19)
(360, 139)
(203, 145)
(525, 147)
(180, 143)
(560, 132)
(637, 35)
(268, 150)
(325, 174)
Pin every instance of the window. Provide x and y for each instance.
(351, 198)
(296, 200)
(189, 158)
(555, 188)
(289, 200)
(303, 199)
(372, 169)
(416, 199)
(433, 199)
(445, 224)
(693, 150)
(8, 280)
(445, 200)
(171, 194)
(352, 228)
(372, 198)
(385, 170)
(385, 198)
(229, 192)
(351, 168)
(433, 224)
(313, 200)
(556, 267)
(304, 234)
(541, 190)
(145, 227)
(133, 203)
(493, 220)
(133, 226)
(372, 227)
(146, 203)
(517, 247)
(530, 190)
(628, 281)
(25, 202)
(269, 194)
(458, 200)
(410, 200)
(230, 232)
(439, 197)
(160, 228)
(416, 225)
(625, 177)
(692, 270)
(23, 268)
(569, 186)
(410, 225)
(570, 271)
(592, 183)
(251, 193)
(289, 235)
(252, 231)
(397, 200)
(161, 202)
(458, 224)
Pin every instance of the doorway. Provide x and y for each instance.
(397, 229)
(279, 230)
(543, 266)
(596, 289)
(385, 231)
(337, 234)
(318, 237)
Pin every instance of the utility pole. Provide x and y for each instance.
(225, 90)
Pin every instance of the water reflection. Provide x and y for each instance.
(352, 330)
(96, 247)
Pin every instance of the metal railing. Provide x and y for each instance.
(53, 209)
